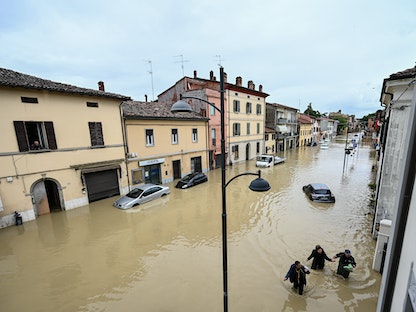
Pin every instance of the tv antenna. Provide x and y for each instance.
(182, 61)
(219, 59)
(151, 77)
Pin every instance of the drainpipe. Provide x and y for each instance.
(399, 227)
(126, 147)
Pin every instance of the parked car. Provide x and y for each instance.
(191, 180)
(268, 160)
(140, 195)
(319, 192)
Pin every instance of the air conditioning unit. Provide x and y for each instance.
(132, 155)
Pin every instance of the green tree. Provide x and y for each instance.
(311, 112)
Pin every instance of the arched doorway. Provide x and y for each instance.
(46, 196)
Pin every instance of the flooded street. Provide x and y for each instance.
(166, 255)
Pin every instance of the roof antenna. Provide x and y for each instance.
(219, 59)
(181, 61)
(151, 76)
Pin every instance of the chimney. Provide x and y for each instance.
(145, 98)
(211, 75)
(101, 86)
(225, 77)
(250, 85)
(260, 88)
(195, 74)
(238, 81)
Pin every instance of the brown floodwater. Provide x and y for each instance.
(166, 255)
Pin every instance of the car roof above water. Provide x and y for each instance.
(319, 186)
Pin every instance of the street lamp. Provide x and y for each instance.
(257, 185)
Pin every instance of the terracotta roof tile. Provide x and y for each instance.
(10, 78)
(154, 110)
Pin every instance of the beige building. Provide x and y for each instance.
(163, 146)
(244, 115)
(306, 129)
(58, 140)
(246, 120)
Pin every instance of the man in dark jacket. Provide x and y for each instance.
(297, 274)
(319, 256)
(346, 263)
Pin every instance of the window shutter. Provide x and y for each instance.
(50, 134)
(19, 127)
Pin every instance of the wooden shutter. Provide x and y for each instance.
(50, 135)
(19, 127)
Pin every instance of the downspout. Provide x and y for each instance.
(405, 197)
(126, 147)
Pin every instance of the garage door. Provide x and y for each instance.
(102, 184)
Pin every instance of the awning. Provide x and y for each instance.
(282, 129)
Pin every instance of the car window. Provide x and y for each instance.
(134, 193)
(322, 191)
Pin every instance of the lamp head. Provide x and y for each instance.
(259, 185)
(181, 107)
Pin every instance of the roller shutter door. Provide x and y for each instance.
(102, 184)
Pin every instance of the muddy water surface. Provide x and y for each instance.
(166, 255)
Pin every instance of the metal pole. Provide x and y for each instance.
(223, 186)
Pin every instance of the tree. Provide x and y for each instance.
(311, 112)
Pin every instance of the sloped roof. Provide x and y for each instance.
(407, 73)
(155, 110)
(13, 79)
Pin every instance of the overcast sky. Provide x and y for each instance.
(334, 54)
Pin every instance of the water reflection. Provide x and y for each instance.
(166, 255)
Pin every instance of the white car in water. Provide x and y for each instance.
(140, 195)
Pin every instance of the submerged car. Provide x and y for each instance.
(140, 195)
(191, 179)
(319, 192)
(269, 160)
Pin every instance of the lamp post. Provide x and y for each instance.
(257, 185)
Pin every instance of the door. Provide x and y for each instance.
(46, 197)
(176, 165)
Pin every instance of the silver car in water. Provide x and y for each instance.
(140, 195)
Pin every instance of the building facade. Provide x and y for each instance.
(58, 141)
(284, 120)
(163, 146)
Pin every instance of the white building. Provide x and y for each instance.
(396, 196)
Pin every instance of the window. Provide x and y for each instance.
(29, 132)
(266, 137)
(96, 133)
(248, 108)
(211, 110)
(150, 140)
(214, 137)
(258, 148)
(236, 106)
(174, 136)
(248, 128)
(258, 128)
(236, 129)
(92, 104)
(258, 109)
(194, 135)
(30, 100)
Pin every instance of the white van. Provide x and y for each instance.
(268, 160)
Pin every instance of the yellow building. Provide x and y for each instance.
(163, 146)
(58, 141)
(246, 120)
(306, 129)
